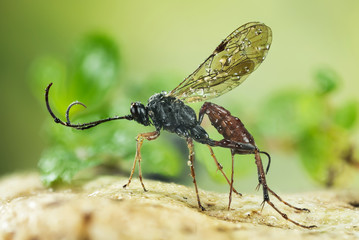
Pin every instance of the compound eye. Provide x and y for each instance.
(139, 113)
(133, 109)
(136, 108)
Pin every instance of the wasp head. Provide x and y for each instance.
(139, 113)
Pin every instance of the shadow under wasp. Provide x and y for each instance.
(228, 66)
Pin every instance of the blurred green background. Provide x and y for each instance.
(300, 105)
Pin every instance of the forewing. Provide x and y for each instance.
(232, 61)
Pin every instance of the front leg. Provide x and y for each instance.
(140, 138)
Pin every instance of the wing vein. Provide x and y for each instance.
(238, 55)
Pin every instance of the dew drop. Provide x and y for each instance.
(258, 32)
(207, 79)
(223, 60)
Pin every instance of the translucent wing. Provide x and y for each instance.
(232, 61)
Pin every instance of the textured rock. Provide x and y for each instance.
(102, 209)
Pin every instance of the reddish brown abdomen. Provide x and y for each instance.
(227, 125)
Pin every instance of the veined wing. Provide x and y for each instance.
(232, 61)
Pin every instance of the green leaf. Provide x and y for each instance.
(94, 68)
(59, 165)
(346, 115)
(310, 110)
(314, 149)
(327, 80)
(93, 71)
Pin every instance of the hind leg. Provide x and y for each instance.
(262, 181)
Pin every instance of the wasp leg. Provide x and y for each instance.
(286, 203)
(262, 178)
(231, 185)
(287, 218)
(262, 181)
(220, 168)
(193, 174)
(231, 189)
(140, 138)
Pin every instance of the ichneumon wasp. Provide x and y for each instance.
(235, 58)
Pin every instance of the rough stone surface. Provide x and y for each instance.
(102, 209)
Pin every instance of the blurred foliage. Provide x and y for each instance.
(309, 122)
(91, 75)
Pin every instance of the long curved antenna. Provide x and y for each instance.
(269, 160)
(77, 126)
(69, 107)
